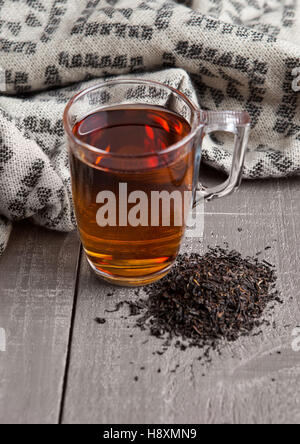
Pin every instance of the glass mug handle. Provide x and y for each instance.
(238, 123)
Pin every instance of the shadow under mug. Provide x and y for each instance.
(132, 194)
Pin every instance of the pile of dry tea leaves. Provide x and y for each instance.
(206, 299)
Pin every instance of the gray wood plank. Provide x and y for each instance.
(249, 383)
(37, 279)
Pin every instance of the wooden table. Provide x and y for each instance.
(58, 365)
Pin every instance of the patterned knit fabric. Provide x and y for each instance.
(224, 54)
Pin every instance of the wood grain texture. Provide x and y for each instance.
(249, 383)
(37, 278)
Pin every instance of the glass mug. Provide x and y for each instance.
(135, 151)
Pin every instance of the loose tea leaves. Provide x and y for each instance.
(207, 299)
